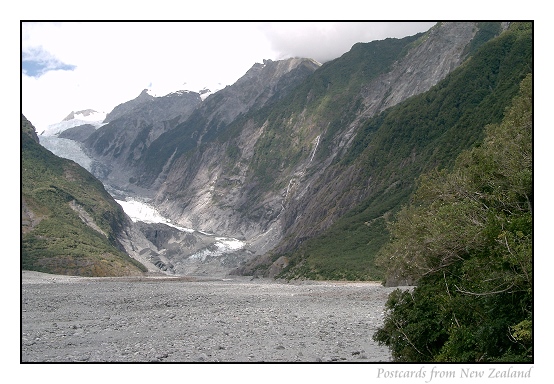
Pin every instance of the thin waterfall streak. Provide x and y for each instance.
(315, 148)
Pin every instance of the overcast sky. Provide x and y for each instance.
(88, 64)
(70, 66)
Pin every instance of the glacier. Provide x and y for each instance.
(138, 209)
(68, 149)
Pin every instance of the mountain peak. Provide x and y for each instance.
(146, 94)
(75, 119)
(82, 115)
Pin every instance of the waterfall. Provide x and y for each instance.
(299, 174)
(315, 148)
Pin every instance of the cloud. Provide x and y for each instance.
(35, 62)
(324, 41)
(71, 66)
(114, 61)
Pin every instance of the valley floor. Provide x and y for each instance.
(155, 319)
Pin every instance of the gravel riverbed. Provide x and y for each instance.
(75, 319)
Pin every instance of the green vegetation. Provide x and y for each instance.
(485, 32)
(324, 104)
(392, 149)
(466, 238)
(346, 251)
(55, 238)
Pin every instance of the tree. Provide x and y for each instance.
(466, 238)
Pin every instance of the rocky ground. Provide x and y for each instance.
(162, 319)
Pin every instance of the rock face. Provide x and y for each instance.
(315, 202)
(191, 252)
(130, 129)
(442, 50)
(254, 160)
(214, 188)
(262, 86)
(79, 133)
(128, 107)
(79, 114)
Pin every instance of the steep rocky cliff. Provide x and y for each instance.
(285, 155)
(131, 127)
(337, 222)
(256, 182)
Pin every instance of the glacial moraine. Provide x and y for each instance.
(165, 319)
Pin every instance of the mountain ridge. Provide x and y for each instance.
(322, 96)
(69, 223)
(281, 158)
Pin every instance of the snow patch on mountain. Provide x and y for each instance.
(141, 211)
(222, 246)
(74, 119)
(204, 92)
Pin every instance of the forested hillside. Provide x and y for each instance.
(466, 240)
(391, 149)
(69, 223)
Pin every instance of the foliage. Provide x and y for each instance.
(347, 250)
(326, 102)
(486, 31)
(392, 149)
(467, 238)
(58, 240)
